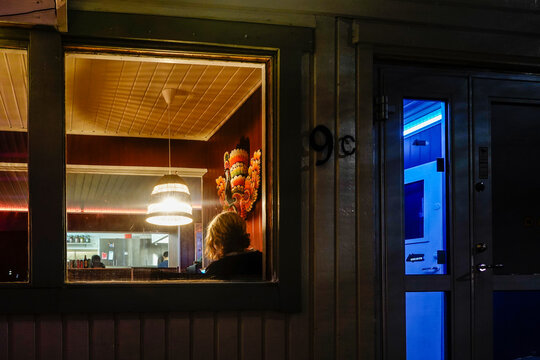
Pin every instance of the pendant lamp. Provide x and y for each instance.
(170, 201)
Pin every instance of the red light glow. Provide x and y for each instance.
(74, 210)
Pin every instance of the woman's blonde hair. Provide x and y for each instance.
(226, 233)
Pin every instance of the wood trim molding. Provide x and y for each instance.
(114, 170)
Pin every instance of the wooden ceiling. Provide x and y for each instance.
(121, 95)
(13, 90)
(93, 193)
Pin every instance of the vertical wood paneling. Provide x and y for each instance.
(227, 336)
(178, 336)
(323, 311)
(338, 311)
(126, 151)
(275, 336)
(346, 305)
(153, 335)
(76, 337)
(22, 338)
(250, 335)
(4, 336)
(298, 324)
(366, 206)
(49, 337)
(102, 337)
(128, 337)
(202, 332)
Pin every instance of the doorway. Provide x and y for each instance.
(460, 220)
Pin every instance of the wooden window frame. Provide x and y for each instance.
(47, 290)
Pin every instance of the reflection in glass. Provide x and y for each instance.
(424, 186)
(515, 131)
(14, 245)
(425, 325)
(516, 330)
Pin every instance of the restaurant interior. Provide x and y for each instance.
(133, 121)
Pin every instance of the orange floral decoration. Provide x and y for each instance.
(239, 189)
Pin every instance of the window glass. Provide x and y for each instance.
(156, 147)
(14, 245)
(426, 325)
(424, 189)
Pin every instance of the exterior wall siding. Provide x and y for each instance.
(327, 327)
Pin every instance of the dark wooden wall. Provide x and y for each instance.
(246, 122)
(126, 151)
(13, 146)
(14, 246)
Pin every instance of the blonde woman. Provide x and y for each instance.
(227, 244)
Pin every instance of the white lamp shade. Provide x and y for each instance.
(170, 202)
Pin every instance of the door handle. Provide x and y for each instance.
(484, 267)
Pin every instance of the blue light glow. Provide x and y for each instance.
(415, 125)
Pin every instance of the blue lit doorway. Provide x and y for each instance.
(425, 217)
(459, 215)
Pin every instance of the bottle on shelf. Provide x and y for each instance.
(85, 262)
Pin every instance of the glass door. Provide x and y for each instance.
(506, 189)
(425, 215)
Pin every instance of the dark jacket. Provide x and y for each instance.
(242, 266)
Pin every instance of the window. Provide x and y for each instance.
(424, 188)
(13, 166)
(130, 120)
(66, 159)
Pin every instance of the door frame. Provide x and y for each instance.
(453, 89)
(462, 341)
